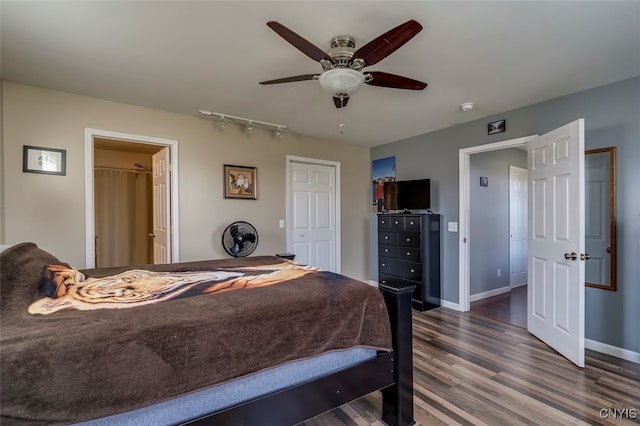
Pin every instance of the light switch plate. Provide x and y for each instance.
(452, 226)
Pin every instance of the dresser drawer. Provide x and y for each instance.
(400, 268)
(409, 239)
(387, 250)
(412, 223)
(385, 237)
(412, 254)
(384, 222)
(397, 223)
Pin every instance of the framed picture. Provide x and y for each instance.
(497, 126)
(240, 182)
(484, 181)
(382, 170)
(48, 161)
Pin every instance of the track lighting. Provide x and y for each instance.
(251, 124)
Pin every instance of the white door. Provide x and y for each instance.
(517, 226)
(555, 294)
(161, 208)
(597, 213)
(312, 218)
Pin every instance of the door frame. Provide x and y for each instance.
(337, 208)
(89, 135)
(464, 245)
(513, 169)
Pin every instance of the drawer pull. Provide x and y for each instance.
(386, 250)
(408, 239)
(386, 237)
(411, 223)
(408, 253)
(384, 281)
(397, 222)
(383, 221)
(412, 270)
(383, 265)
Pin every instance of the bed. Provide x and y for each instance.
(262, 341)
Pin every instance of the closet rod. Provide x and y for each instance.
(121, 169)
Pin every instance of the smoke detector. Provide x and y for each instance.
(467, 106)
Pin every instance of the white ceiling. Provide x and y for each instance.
(185, 56)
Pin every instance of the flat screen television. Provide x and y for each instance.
(407, 195)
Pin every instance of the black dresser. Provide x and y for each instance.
(409, 252)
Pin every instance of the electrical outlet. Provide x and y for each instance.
(499, 272)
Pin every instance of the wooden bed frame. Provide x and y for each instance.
(391, 372)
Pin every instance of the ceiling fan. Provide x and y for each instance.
(343, 64)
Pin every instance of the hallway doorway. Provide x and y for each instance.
(510, 308)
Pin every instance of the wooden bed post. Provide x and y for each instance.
(397, 400)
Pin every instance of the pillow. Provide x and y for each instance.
(20, 270)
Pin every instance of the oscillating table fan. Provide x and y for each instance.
(240, 239)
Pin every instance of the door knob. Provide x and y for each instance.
(152, 235)
(572, 256)
(585, 256)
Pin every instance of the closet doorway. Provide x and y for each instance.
(123, 200)
(130, 184)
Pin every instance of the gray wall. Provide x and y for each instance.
(489, 218)
(611, 116)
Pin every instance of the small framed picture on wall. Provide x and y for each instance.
(497, 127)
(240, 182)
(49, 161)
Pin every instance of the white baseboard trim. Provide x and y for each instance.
(372, 283)
(517, 285)
(489, 293)
(605, 348)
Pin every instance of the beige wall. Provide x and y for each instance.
(49, 210)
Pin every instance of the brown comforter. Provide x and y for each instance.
(77, 365)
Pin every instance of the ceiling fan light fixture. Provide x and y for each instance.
(341, 81)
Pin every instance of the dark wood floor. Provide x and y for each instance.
(507, 307)
(472, 370)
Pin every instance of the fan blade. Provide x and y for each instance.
(299, 43)
(383, 46)
(303, 77)
(236, 248)
(384, 79)
(250, 237)
(340, 102)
